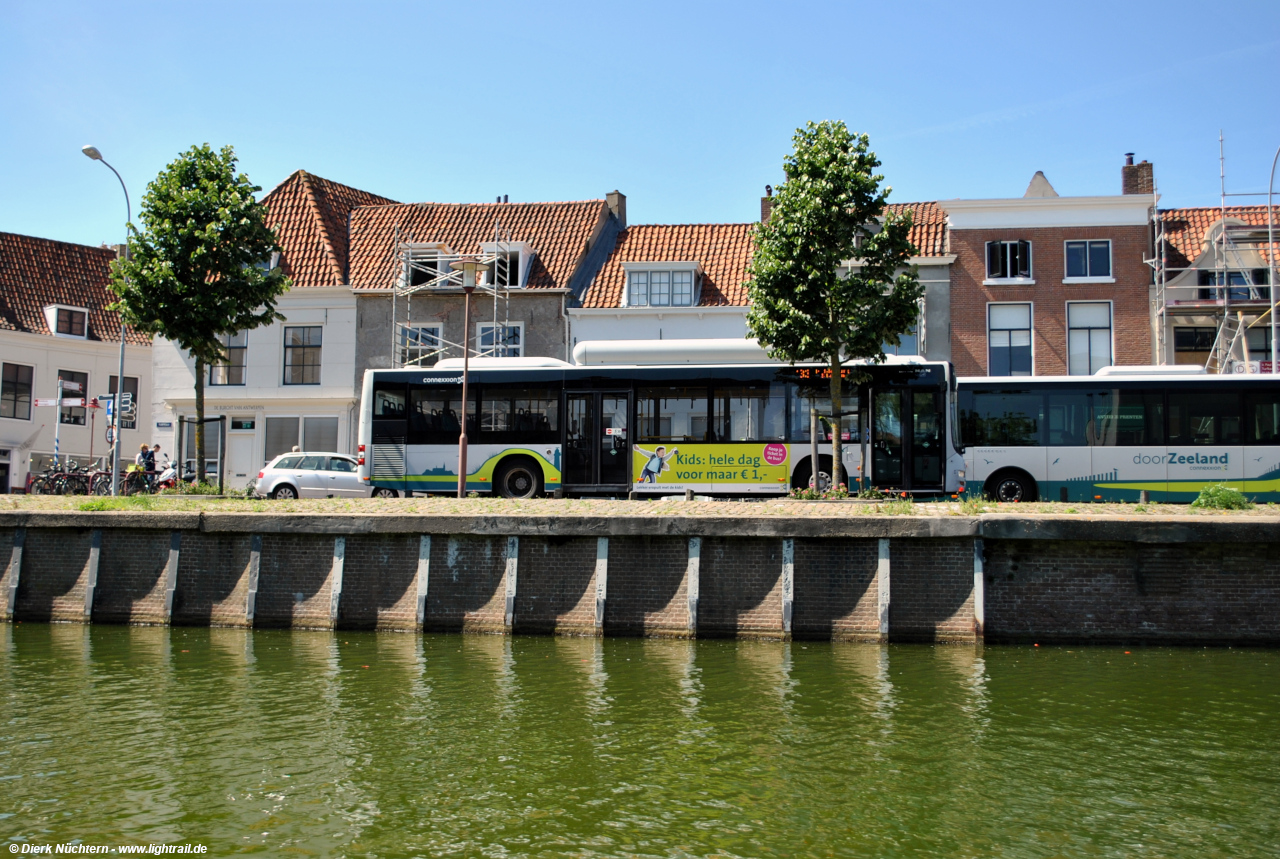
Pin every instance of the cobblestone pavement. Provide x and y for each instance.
(440, 505)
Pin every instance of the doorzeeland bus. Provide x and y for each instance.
(652, 417)
(1169, 431)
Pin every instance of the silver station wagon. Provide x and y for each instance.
(314, 475)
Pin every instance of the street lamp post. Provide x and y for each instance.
(1271, 270)
(469, 268)
(92, 152)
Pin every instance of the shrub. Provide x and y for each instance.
(1219, 496)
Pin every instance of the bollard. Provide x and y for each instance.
(688, 495)
(1144, 496)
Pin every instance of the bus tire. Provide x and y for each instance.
(518, 477)
(804, 472)
(1012, 485)
(384, 492)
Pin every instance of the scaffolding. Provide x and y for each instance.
(426, 269)
(1229, 283)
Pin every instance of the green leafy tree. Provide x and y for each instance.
(198, 269)
(807, 303)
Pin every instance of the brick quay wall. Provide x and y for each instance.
(997, 578)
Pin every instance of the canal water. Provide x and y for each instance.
(386, 745)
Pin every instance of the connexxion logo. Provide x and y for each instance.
(1173, 458)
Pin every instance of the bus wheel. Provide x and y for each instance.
(1012, 486)
(518, 478)
(384, 492)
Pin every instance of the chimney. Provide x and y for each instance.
(1137, 178)
(766, 204)
(617, 202)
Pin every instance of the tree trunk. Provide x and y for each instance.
(199, 421)
(837, 420)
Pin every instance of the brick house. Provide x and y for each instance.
(54, 323)
(687, 281)
(1051, 285)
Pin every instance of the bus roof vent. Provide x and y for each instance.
(1153, 370)
(727, 351)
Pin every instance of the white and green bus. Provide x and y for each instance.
(654, 418)
(1166, 431)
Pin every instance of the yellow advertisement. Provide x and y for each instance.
(680, 464)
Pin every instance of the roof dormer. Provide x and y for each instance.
(662, 284)
(66, 320)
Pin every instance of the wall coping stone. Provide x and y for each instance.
(1115, 528)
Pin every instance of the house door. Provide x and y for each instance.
(597, 448)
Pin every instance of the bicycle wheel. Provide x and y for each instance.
(102, 484)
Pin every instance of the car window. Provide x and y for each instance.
(288, 462)
(311, 463)
(339, 464)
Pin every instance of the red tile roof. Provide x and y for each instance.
(1185, 229)
(558, 233)
(35, 273)
(724, 250)
(928, 227)
(310, 215)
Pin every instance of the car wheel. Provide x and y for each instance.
(518, 479)
(284, 492)
(1012, 487)
(384, 492)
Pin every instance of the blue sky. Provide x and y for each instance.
(686, 107)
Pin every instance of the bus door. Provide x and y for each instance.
(908, 439)
(597, 445)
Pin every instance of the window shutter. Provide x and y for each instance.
(993, 260)
(1024, 259)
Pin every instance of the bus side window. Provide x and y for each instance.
(1003, 419)
(1068, 419)
(1204, 417)
(1102, 420)
(1139, 417)
(1262, 417)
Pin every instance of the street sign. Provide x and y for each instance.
(110, 436)
(74, 387)
(46, 401)
(72, 401)
(126, 403)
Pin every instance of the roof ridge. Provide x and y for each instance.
(313, 203)
(508, 205)
(105, 250)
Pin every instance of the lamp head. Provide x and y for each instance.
(92, 152)
(469, 268)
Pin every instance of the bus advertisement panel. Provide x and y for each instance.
(746, 468)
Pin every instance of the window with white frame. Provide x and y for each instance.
(15, 391)
(302, 355)
(130, 388)
(496, 340)
(67, 321)
(661, 288)
(1009, 260)
(1009, 339)
(417, 345)
(506, 269)
(1088, 259)
(909, 343)
(75, 387)
(231, 371)
(1088, 337)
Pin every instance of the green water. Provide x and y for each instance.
(311, 744)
